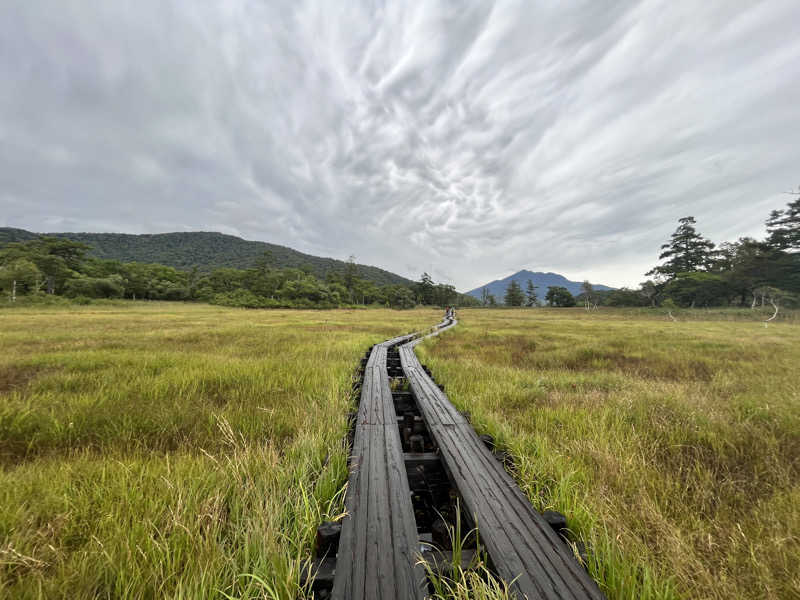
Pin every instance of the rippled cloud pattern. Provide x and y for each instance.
(466, 139)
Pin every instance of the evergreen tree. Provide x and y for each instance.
(514, 295)
(350, 274)
(559, 296)
(783, 227)
(425, 289)
(531, 299)
(686, 252)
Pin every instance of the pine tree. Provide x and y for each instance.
(531, 298)
(514, 295)
(686, 252)
(783, 227)
(425, 289)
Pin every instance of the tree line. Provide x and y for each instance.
(48, 267)
(696, 272)
(515, 296)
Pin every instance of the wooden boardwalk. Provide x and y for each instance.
(523, 548)
(379, 547)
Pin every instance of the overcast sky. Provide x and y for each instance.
(469, 140)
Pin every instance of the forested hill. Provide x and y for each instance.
(204, 249)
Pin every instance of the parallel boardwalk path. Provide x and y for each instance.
(523, 548)
(379, 545)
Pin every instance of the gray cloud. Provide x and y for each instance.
(467, 139)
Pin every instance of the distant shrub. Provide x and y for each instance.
(626, 297)
(240, 298)
(94, 287)
(37, 299)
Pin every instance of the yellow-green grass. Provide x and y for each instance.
(672, 447)
(155, 450)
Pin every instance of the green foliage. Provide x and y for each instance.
(626, 297)
(467, 300)
(63, 266)
(685, 252)
(22, 271)
(559, 296)
(399, 296)
(56, 260)
(95, 287)
(783, 227)
(697, 275)
(531, 299)
(697, 289)
(424, 289)
(514, 295)
(432, 294)
(206, 251)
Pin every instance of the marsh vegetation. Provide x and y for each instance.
(672, 447)
(185, 450)
(173, 450)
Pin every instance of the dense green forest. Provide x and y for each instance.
(696, 272)
(45, 268)
(203, 250)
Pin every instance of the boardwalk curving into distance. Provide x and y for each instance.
(379, 547)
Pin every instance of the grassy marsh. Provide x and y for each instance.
(673, 447)
(165, 450)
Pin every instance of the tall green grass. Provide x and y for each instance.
(158, 450)
(672, 447)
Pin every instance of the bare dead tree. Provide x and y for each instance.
(775, 314)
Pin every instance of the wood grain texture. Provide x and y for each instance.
(523, 548)
(379, 547)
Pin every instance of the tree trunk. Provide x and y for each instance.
(14, 291)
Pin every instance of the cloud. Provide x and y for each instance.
(466, 139)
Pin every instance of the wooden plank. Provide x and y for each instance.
(432, 402)
(378, 546)
(524, 549)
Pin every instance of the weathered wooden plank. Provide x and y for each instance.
(432, 402)
(524, 549)
(529, 550)
(378, 546)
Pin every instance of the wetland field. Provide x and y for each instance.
(184, 451)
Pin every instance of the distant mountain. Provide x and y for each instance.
(543, 281)
(204, 249)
